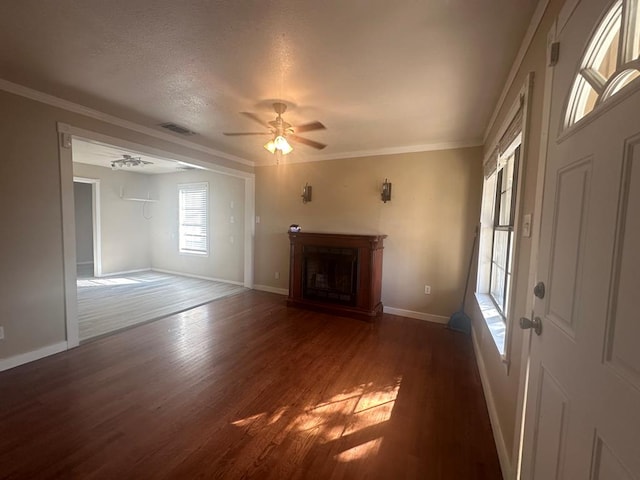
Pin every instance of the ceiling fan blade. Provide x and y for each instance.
(306, 141)
(307, 127)
(235, 134)
(255, 118)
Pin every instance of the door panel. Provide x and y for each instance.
(582, 417)
(623, 324)
(550, 425)
(569, 231)
(606, 466)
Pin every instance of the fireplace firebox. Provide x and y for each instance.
(330, 274)
(336, 272)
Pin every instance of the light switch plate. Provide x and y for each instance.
(526, 225)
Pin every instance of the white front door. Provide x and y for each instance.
(583, 403)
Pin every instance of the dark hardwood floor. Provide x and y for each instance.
(245, 387)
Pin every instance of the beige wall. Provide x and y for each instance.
(429, 221)
(226, 242)
(31, 277)
(504, 382)
(32, 309)
(124, 232)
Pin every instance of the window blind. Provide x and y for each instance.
(507, 138)
(193, 222)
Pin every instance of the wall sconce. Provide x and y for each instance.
(306, 193)
(385, 195)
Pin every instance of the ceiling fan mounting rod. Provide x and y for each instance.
(279, 108)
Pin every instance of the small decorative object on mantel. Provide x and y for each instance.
(385, 195)
(306, 193)
(294, 228)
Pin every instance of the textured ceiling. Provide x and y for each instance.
(380, 74)
(98, 154)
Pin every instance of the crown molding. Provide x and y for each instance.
(536, 19)
(429, 147)
(53, 101)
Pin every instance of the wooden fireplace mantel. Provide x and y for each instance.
(331, 253)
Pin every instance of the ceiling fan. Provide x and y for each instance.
(129, 161)
(282, 131)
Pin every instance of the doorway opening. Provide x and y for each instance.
(86, 194)
(121, 208)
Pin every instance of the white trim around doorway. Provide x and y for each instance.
(66, 133)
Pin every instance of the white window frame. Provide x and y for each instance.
(626, 14)
(496, 316)
(183, 225)
(513, 152)
(500, 326)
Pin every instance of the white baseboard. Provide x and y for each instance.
(90, 262)
(428, 317)
(394, 311)
(501, 447)
(267, 288)
(21, 359)
(124, 272)
(201, 277)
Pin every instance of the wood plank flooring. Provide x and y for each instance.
(245, 387)
(111, 303)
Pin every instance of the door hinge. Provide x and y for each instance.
(554, 54)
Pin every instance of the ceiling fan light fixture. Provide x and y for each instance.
(282, 145)
(129, 161)
(271, 146)
(278, 130)
(278, 143)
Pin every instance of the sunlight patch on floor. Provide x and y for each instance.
(377, 397)
(345, 414)
(101, 282)
(260, 420)
(360, 452)
(249, 421)
(370, 417)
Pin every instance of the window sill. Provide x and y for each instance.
(194, 254)
(494, 320)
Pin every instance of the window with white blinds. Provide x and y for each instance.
(193, 200)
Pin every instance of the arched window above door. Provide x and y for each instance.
(610, 62)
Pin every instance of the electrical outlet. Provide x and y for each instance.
(232, 219)
(427, 290)
(231, 239)
(257, 219)
(231, 204)
(1, 333)
(276, 275)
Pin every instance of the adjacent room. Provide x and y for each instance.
(320, 240)
(146, 231)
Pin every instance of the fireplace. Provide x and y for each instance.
(336, 272)
(330, 274)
